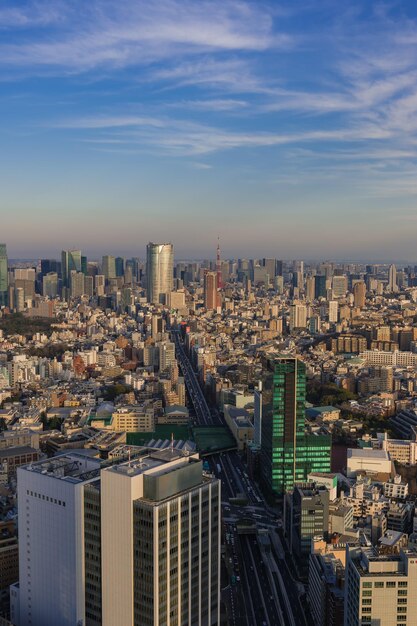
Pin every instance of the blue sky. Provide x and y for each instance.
(290, 128)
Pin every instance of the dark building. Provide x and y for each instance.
(289, 452)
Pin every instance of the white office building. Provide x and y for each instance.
(135, 543)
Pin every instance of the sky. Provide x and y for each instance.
(289, 129)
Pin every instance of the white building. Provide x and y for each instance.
(367, 460)
(380, 589)
(136, 542)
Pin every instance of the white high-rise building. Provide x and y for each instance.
(380, 588)
(298, 316)
(133, 543)
(159, 270)
(333, 311)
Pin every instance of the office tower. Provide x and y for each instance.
(289, 452)
(89, 286)
(392, 279)
(77, 284)
(314, 324)
(257, 418)
(326, 593)
(310, 288)
(99, 284)
(50, 265)
(70, 262)
(320, 286)
(210, 290)
(279, 268)
(25, 279)
(19, 299)
(84, 265)
(133, 543)
(50, 285)
(120, 266)
(159, 270)
(270, 266)
(306, 514)
(380, 588)
(279, 284)
(108, 267)
(339, 285)
(333, 311)
(4, 275)
(359, 294)
(298, 316)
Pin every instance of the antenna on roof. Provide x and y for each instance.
(128, 456)
(172, 442)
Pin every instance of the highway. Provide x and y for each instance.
(262, 589)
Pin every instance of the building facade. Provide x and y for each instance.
(159, 270)
(289, 452)
(133, 543)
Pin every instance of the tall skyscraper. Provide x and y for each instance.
(159, 270)
(136, 543)
(120, 266)
(340, 285)
(392, 279)
(70, 261)
(108, 267)
(50, 285)
(210, 290)
(310, 288)
(289, 453)
(359, 294)
(333, 311)
(4, 276)
(320, 286)
(298, 316)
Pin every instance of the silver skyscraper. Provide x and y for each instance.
(159, 270)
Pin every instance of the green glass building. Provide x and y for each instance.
(4, 277)
(289, 453)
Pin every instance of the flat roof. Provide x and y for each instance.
(367, 452)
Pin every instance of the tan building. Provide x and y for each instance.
(239, 422)
(134, 418)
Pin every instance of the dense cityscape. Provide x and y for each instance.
(227, 442)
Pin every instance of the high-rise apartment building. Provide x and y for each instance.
(4, 276)
(136, 543)
(70, 262)
(380, 588)
(298, 316)
(359, 294)
(159, 270)
(289, 452)
(210, 290)
(333, 311)
(339, 285)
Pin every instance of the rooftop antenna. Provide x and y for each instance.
(172, 442)
(128, 456)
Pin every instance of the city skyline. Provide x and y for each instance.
(283, 126)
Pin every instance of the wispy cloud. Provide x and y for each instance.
(129, 33)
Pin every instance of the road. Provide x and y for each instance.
(262, 590)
